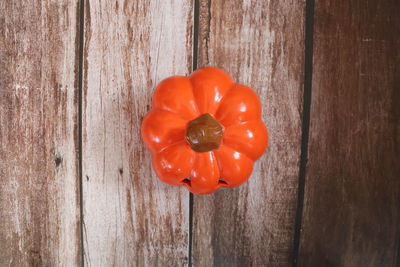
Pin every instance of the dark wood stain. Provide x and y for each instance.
(261, 44)
(351, 207)
(38, 118)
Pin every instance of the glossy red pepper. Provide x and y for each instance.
(204, 131)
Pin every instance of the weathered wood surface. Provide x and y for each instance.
(351, 213)
(39, 185)
(352, 195)
(130, 217)
(261, 44)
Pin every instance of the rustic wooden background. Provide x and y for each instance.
(76, 185)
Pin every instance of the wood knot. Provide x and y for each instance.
(58, 160)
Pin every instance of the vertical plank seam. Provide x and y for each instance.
(190, 229)
(196, 18)
(308, 62)
(398, 252)
(81, 21)
(195, 44)
(208, 31)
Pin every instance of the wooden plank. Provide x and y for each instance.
(39, 181)
(352, 195)
(261, 44)
(130, 217)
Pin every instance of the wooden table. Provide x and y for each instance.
(76, 185)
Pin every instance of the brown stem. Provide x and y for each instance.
(204, 133)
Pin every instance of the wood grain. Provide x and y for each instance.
(352, 195)
(130, 217)
(39, 182)
(261, 44)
